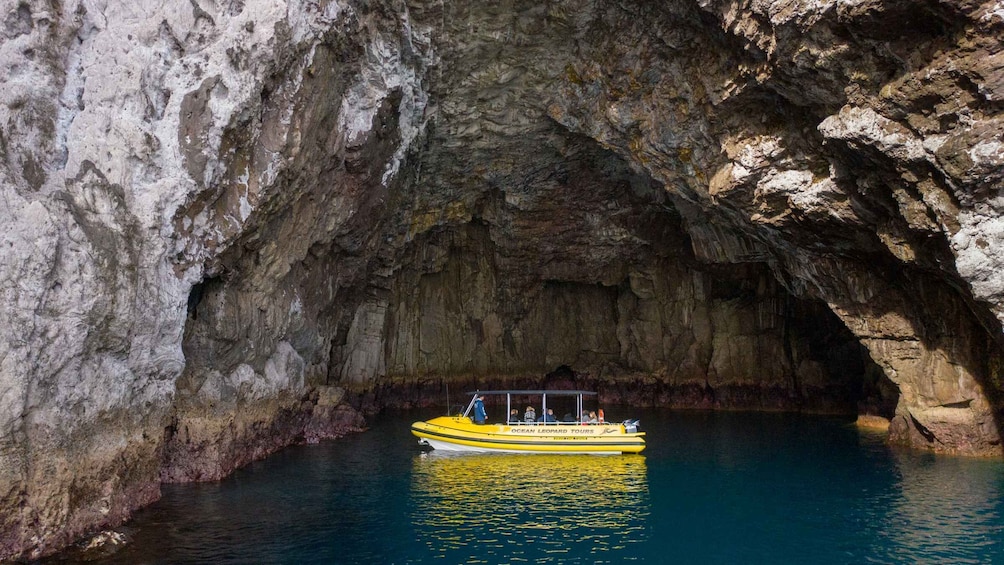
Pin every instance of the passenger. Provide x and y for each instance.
(549, 417)
(584, 419)
(513, 416)
(530, 416)
(599, 417)
(480, 416)
(592, 418)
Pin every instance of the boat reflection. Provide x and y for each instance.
(535, 507)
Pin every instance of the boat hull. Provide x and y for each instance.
(449, 433)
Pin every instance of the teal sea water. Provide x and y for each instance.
(710, 488)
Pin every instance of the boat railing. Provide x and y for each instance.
(559, 422)
(631, 426)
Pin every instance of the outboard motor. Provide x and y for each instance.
(630, 426)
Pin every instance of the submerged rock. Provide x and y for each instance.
(104, 544)
(872, 422)
(215, 212)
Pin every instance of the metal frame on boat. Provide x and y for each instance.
(460, 433)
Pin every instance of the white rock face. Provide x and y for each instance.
(979, 248)
(100, 151)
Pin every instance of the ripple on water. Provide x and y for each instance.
(942, 506)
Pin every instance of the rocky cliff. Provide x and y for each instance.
(221, 216)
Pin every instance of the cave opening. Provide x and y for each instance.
(551, 211)
(579, 272)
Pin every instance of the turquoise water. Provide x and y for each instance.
(710, 488)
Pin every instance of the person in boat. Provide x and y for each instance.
(513, 416)
(548, 418)
(480, 416)
(592, 418)
(530, 416)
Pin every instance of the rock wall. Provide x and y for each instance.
(733, 336)
(218, 213)
(877, 132)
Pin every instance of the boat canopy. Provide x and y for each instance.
(536, 392)
(543, 394)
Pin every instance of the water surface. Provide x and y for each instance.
(710, 488)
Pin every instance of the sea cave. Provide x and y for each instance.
(236, 225)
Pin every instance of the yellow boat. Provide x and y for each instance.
(573, 435)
